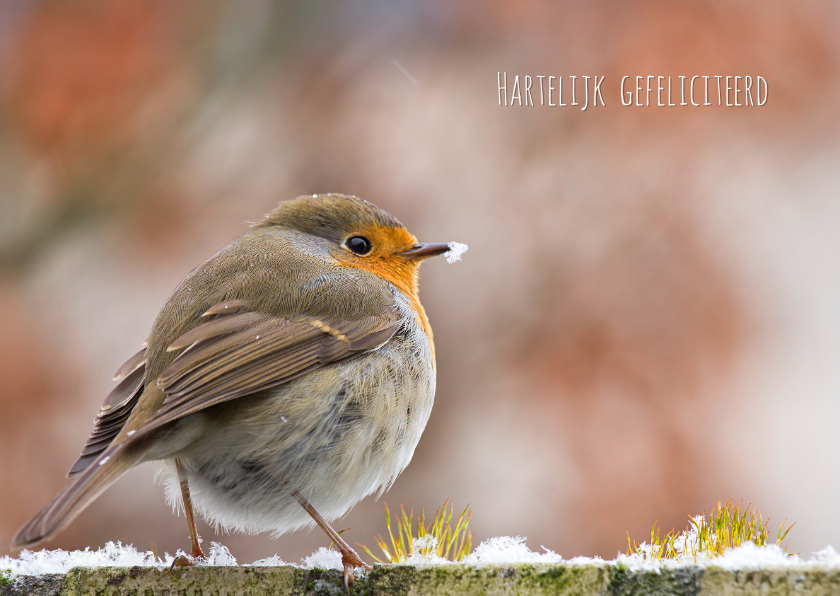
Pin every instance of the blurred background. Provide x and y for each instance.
(647, 320)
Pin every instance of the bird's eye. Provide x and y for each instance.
(359, 245)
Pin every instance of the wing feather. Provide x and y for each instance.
(113, 414)
(238, 354)
(131, 364)
(223, 325)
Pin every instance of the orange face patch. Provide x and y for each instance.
(384, 261)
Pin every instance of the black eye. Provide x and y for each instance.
(359, 245)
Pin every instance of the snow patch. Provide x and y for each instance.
(509, 549)
(750, 556)
(323, 558)
(827, 556)
(745, 557)
(427, 543)
(498, 550)
(219, 556)
(272, 561)
(114, 554)
(455, 252)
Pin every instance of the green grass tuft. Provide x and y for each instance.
(728, 526)
(436, 538)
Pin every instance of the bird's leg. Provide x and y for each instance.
(197, 553)
(349, 558)
(188, 510)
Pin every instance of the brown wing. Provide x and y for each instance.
(114, 411)
(240, 352)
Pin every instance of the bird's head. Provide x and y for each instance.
(359, 235)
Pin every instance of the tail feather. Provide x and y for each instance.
(81, 492)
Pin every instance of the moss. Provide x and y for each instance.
(683, 581)
(440, 580)
(195, 581)
(43, 585)
(772, 581)
(387, 579)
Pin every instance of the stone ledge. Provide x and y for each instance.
(444, 580)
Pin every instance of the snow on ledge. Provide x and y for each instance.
(495, 551)
(59, 561)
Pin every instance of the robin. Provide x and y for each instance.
(286, 378)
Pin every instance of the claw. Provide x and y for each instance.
(185, 561)
(351, 561)
(181, 561)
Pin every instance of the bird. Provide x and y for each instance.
(286, 378)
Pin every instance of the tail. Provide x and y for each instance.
(81, 492)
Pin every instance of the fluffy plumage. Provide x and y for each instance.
(284, 362)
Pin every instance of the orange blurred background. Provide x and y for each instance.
(647, 321)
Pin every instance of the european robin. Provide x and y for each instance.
(286, 378)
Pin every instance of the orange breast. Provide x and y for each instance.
(403, 275)
(383, 262)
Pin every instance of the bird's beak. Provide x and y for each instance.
(424, 251)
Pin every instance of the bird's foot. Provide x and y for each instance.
(181, 561)
(185, 561)
(351, 561)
